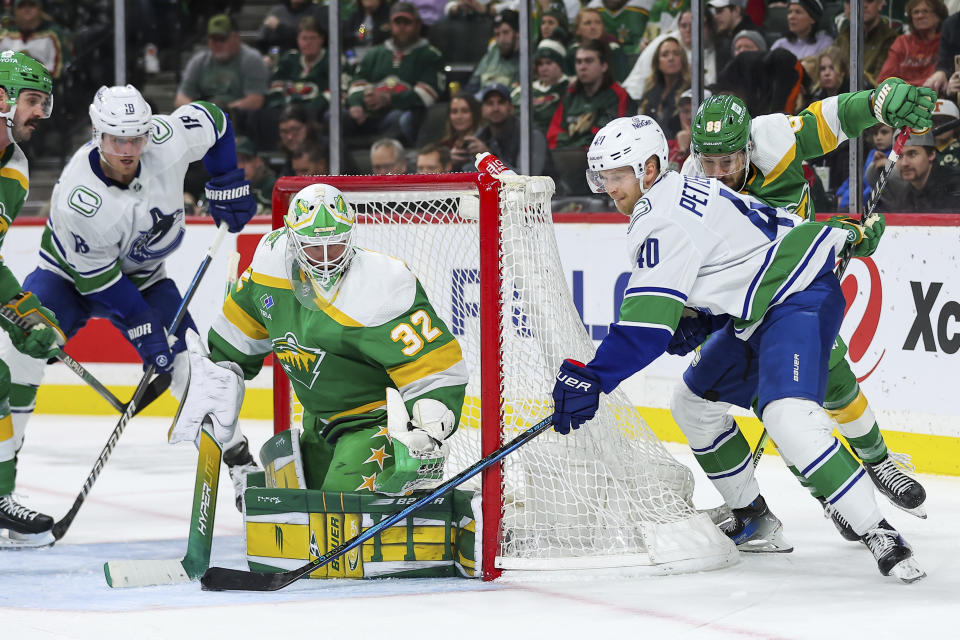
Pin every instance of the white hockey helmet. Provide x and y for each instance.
(319, 225)
(625, 142)
(124, 114)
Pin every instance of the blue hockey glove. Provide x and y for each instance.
(693, 332)
(576, 396)
(230, 200)
(147, 334)
(32, 327)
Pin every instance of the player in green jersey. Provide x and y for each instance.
(347, 324)
(763, 157)
(26, 97)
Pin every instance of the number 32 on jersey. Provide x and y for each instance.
(413, 339)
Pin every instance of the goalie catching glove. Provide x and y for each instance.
(230, 200)
(862, 239)
(419, 445)
(32, 327)
(214, 390)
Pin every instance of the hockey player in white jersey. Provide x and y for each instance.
(768, 280)
(116, 215)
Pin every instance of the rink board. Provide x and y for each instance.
(902, 327)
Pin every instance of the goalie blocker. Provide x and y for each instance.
(287, 525)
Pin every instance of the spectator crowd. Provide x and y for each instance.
(428, 84)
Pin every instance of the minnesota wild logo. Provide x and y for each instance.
(302, 364)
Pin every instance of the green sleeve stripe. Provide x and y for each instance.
(856, 114)
(216, 114)
(84, 284)
(9, 285)
(789, 254)
(658, 310)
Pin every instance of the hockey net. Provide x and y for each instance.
(608, 496)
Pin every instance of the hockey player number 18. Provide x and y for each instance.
(410, 337)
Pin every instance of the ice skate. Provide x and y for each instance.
(754, 529)
(829, 511)
(239, 462)
(24, 527)
(893, 554)
(900, 489)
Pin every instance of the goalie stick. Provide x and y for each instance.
(222, 579)
(60, 528)
(145, 573)
(898, 143)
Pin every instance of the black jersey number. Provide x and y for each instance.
(189, 123)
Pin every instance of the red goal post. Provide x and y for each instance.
(485, 252)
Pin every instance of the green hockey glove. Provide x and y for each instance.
(899, 104)
(861, 238)
(32, 327)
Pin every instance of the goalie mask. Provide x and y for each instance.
(319, 226)
(18, 71)
(625, 142)
(121, 121)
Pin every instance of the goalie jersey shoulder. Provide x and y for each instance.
(377, 287)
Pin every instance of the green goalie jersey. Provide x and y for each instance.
(781, 143)
(379, 331)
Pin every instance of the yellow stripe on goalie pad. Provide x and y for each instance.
(285, 477)
(274, 540)
(397, 534)
(398, 552)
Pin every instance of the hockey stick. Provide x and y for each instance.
(899, 142)
(60, 528)
(145, 573)
(222, 579)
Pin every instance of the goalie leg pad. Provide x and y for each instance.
(282, 462)
(285, 528)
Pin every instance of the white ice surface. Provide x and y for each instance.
(139, 508)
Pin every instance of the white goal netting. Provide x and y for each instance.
(609, 495)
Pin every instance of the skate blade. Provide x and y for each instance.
(774, 543)
(918, 512)
(908, 571)
(14, 541)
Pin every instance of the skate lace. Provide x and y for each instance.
(880, 541)
(891, 476)
(830, 511)
(903, 460)
(17, 510)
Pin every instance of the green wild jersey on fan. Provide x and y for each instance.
(14, 184)
(781, 143)
(380, 330)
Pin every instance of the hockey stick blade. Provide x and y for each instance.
(147, 573)
(223, 579)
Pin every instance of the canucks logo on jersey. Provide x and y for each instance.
(143, 248)
(302, 364)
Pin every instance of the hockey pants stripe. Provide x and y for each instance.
(718, 445)
(803, 432)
